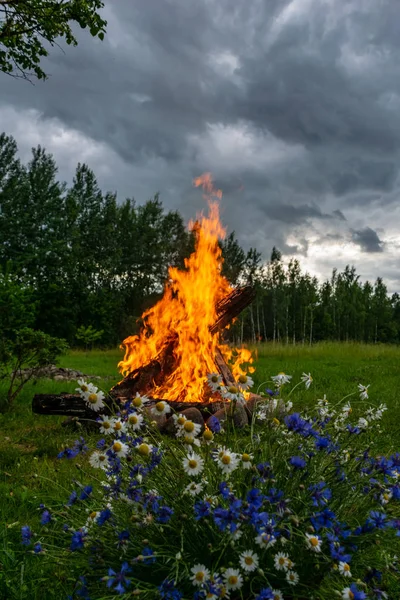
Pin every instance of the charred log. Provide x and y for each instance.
(231, 306)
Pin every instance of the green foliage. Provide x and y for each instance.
(17, 305)
(29, 27)
(88, 335)
(22, 356)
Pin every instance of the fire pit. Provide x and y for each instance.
(180, 342)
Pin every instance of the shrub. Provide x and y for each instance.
(297, 506)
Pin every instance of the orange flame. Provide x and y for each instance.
(185, 312)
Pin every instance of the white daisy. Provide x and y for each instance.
(190, 440)
(193, 489)
(362, 423)
(120, 449)
(139, 401)
(92, 518)
(233, 579)
(281, 379)
(281, 561)
(385, 497)
(346, 410)
(292, 577)
(246, 460)
(161, 408)
(144, 449)
(248, 560)
(85, 387)
(313, 542)
(307, 380)
(363, 389)
(265, 540)
(208, 436)
(134, 421)
(193, 464)
(344, 569)
(189, 428)
(94, 399)
(214, 381)
(237, 534)
(105, 424)
(244, 382)
(232, 393)
(98, 460)
(179, 420)
(118, 426)
(277, 595)
(227, 461)
(200, 574)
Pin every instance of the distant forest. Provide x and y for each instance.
(74, 256)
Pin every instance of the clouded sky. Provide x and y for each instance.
(293, 106)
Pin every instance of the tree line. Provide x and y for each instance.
(74, 259)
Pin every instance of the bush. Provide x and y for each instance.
(21, 357)
(295, 507)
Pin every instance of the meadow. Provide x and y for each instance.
(30, 472)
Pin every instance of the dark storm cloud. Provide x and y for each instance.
(368, 240)
(293, 105)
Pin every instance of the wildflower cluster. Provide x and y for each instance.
(288, 508)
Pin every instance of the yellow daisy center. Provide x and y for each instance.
(189, 426)
(117, 426)
(199, 576)
(214, 378)
(181, 420)
(106, 425)
(117, 447)
(276, 421)
(232, 389)
(242, 379)
(232, 580)
(346, 567)
(93, 398)
(245, 457)
(248, 560)
(208, 435)
(84, 388)
(137, 402)
(351, 595)
(282, 373)
(314, 541)
(93, 515)
(282, 560)
(160, 407)
(226, 459)
(144, 449)
(192, 463)
(102, 457)
(133, 419)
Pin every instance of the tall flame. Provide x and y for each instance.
(186, 311)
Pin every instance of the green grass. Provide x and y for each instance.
(30, 472)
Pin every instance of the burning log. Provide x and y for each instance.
(231, 306)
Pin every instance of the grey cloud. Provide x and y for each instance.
(368, 240)
(338, 213)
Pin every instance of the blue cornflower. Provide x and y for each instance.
(297, 462)
(164, 514)
(255, 498)
(377, 519)
(353, 429)
(72, 499)
(26, 535)
(201, 509)
(271, 392)
(325, 518)
(385, 466)
(264, 470)
(123, 537)
(68, 453)
(119, 578)
(37, 548)
(395, 489)
(82, 591)
(356, 593)
(225, 518)
(339, 553)
(296, 423)
(224, 490)
(373, 574)
(395, 523)
(265, 594)
(320, 494)
(80, 446)
(85, 493)
(101, 444)
(274, 496)
(168, 590)
(77, 540)
(148, 553)
(104, 516)
(214, 424)
(46, 517)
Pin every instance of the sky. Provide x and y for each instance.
(293, 106)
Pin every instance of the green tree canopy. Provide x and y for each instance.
(29, 27)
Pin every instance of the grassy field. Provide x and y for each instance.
(30, 472)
